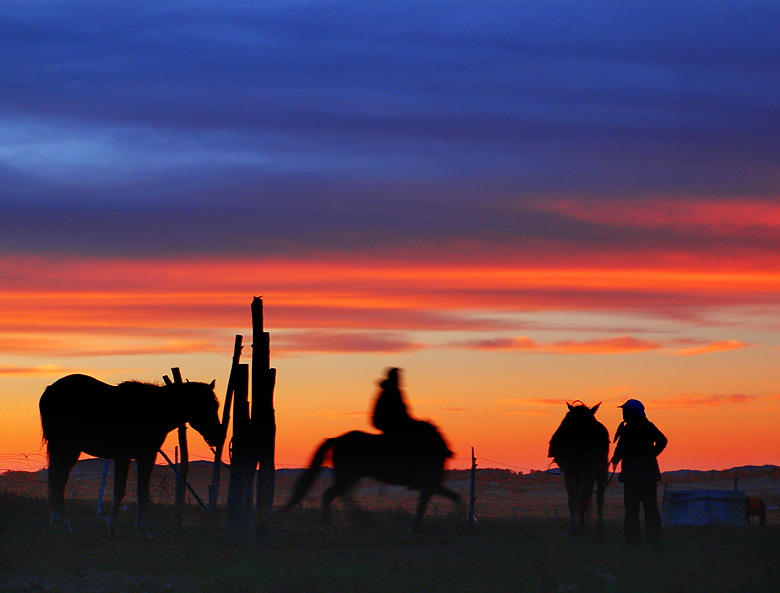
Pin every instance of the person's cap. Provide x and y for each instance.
(634, 407)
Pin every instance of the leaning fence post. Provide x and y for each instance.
(184, 467)
(215, 476)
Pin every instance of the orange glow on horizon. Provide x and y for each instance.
(492, 351)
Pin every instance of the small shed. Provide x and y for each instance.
(704, 507)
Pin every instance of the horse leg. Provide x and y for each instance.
(582, 504)
(571, 491)
(339, 487)
(121, 469)
(145, 468)
(453, 496)
(61, 462)
(600, 488)
(450, 494)
(422, 504)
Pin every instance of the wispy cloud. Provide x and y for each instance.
(716, 214)
(522, 401)
(56, 296)
(696, 401)
(107, 343)
(33, 371)
(617, 345)
(711, 347)
(343, 342)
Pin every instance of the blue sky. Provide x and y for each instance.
(327, 125)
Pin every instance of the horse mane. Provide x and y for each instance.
(149, 386)
(133, 383)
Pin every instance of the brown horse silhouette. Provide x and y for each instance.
(755, 507)
(414, 459)
(580, 447)
(122, 422)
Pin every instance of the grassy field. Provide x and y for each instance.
(373, 551)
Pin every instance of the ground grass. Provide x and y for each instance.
(373, 552)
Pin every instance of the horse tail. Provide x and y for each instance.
(305, 482)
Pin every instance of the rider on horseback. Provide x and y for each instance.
(390, 413)
(407, 439)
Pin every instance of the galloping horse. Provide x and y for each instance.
(414, 459)
(580, 447)
(122, 422)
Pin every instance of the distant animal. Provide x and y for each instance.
(755, 507)
(123, 422)
(580, 447)
(416, 460)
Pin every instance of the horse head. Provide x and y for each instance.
(579, 409)
(202, 408)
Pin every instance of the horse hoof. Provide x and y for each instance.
(61, 525)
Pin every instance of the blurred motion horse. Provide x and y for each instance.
(580, 447)
(416, 460)
(122, 422)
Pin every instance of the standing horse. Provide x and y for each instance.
(755, 507)
(414, 459)
(122, 422)
(580, 447)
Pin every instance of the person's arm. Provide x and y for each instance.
(660, 442)
(617, 456)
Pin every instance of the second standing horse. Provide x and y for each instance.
(580, 447)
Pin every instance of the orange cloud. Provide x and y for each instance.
(719, 346)
(105, 344)
(33, 371)
(617, 345)
(722, 215)
(152, 300)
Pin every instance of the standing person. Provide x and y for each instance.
(639, 443)
(390, 412)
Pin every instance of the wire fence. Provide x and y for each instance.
(33, 462)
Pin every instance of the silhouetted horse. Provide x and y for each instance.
(415, 459)
(580, 447)
(123, 422)
(755, 507)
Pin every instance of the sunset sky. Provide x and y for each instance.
(519, 203)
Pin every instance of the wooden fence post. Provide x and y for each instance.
(242, 460)
(473, 497)
(263, 415)
(215, 476)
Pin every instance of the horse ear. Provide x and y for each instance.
(596, 407)
(570, 406)
(213, 384)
